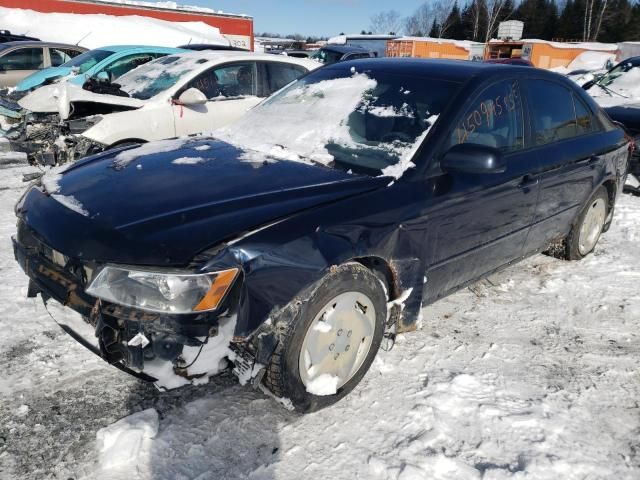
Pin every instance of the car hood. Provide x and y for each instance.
(57, 98)
(178, 198)
(39, 78)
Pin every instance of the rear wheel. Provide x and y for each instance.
(591, 223)
(330, 336)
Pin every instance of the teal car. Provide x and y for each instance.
(106, 62)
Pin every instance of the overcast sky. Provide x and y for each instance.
(309, 17)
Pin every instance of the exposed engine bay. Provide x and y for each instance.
(46, 138)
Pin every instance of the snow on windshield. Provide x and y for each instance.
(355, 121)
(154, 77)
(622, 89)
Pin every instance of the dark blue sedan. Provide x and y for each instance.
(294, 243)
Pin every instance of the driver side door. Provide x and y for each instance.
(482, 219)
(231, 90)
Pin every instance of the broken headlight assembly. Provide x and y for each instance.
(171, 293)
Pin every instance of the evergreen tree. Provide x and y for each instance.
(455, 28)
(435, 29)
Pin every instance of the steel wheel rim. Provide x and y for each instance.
(339, 339)
(592, 226)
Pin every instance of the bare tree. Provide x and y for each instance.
(494, 10)
(440, 10)
(588, 19)
(388, 21)
(601, 14)
(419, 23)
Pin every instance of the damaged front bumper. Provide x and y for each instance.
(170, 350)
(44, 138)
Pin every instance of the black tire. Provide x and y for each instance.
(282, 376)
(572, 250)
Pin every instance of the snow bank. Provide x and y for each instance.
(92, 31)
(591, 61)
(603, 47)
(168, 6)
(127, 442)
(466, 44)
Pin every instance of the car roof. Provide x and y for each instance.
(36, 43)
(120, 48)
(216, 56)
(344, 48)
(453, 70)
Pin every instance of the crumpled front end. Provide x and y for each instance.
(170, 350)
(47, 140)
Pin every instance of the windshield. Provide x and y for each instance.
(326, 56)
(87, 60)
(615, 72)
(370, 122)
(154, 77)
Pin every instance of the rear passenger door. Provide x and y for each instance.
(482, 219)
(565, 140)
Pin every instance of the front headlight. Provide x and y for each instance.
(162, 292)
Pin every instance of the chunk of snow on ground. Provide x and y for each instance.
(71, 203)
(124, 158)
(202, 147)
(22, 410)
(322, 385)
(188, 160)
(97, 30)
(128, 442)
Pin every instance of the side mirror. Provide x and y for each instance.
(473, 158)
(103, 76)
(191, 96)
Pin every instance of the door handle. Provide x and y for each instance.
(529, 181)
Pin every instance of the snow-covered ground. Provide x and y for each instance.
(533, 373)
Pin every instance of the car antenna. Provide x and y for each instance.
(83, 38)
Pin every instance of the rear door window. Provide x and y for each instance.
(23, 59)
(61, 55)
(281, 74)
(493, 119)
(553, 112)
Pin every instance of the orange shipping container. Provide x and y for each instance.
(430, 48)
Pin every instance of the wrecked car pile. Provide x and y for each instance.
(179, 94)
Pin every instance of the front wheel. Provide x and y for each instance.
(591, 223)
(330, 336)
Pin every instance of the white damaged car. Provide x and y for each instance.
(176, 95)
